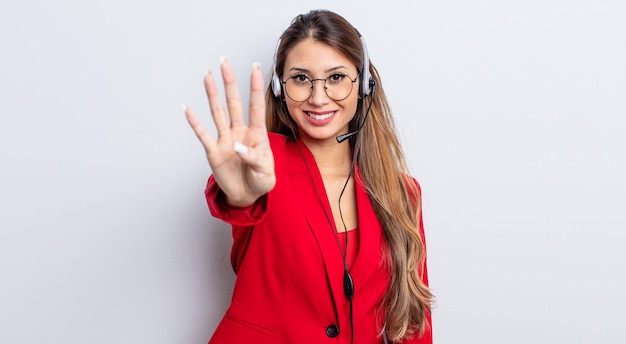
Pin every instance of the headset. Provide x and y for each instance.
(365, 87)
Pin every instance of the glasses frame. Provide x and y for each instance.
(284, 82)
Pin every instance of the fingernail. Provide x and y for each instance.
(240, 148)
(185, 107)
(256, 65)
(222, 59)
(207, 72)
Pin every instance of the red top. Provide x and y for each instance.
(353, 244)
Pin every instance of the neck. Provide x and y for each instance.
(332, 158)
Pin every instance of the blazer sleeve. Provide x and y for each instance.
(219, 208)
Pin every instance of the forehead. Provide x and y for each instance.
(316, 56)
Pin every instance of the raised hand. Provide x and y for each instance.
(248, 173)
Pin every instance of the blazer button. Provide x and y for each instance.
(332, 331)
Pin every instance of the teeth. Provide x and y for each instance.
(320, 117)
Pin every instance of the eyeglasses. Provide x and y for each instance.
(299, 88)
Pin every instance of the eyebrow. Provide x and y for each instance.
(299, 69)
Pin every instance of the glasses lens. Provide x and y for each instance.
(338, 86)
(299, 88)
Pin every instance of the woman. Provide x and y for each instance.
(328, 238)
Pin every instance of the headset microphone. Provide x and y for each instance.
(344, 137)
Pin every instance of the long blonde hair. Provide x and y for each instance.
(394, 195)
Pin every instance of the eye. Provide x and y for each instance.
(336, 78)
(300, 79)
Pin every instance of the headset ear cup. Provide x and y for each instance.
(366, 77)
(365, 82)
(276, 85)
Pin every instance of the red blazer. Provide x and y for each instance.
(289, 286)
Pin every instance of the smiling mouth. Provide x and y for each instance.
(320, 116)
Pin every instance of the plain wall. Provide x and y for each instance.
(512, 114)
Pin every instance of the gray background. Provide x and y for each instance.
(511, 112)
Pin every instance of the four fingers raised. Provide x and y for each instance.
(224, 120)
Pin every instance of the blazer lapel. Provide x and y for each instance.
(308, 185)
(369, 258)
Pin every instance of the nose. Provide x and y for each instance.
(318, 93)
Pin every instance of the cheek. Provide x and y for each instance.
(351, 105)
(292, 108)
